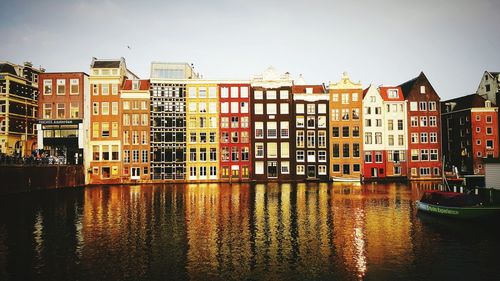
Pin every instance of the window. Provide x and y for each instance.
(259, 130)
(300, 170)
(272, 150)
(345, 114)
(95, 89)
(283, 108)
(299, 108)
(368, 157)
(259, 168)
(95, 129)
(244, 137)
(114, 89)
(300, 156)
(311, 109)
(224, 122)
(355, 150)
(300, 121)
(61, 86)
(311, 156)
(414, 155)
(235, 107)
(355, 131)
(390, 125)
(336, 168)
(271, 130)
(368, 138)
(244, 107)
(74, 87)
(259, 150)
(105, 152)
(114, 108)
(105, 108)
(413, 106)
(224, 107)
(271, 95)
(321, 108)
(432, 106)
(391, 140)
(234, 122)
(345, 131)
(135, 137)
(47, 111)
(355, 114)
(74, 110)
(423, 138)
(213, 154)
(224, 137)
(489, 130)
(284, 94)
(300, 139)
(126, 119)
(400, 125)
(258, 95)
(285, 167)
(61, 110)
(378, 157)
(284, 130)
(245, 152)
(244, 92)
(335, 114)
(489, 119)
(322, 139)
(335, 132)
(115, 153)
(234, 137)
(378, 138)
(311, 139)
(434, 155)
(271, 108)
(105, 89)
(433, 121)
(345, 150)
(414, 121)
(336, 150)
(423, 106)
(244, 122)
(47, 87)
(203, 154)
(321, 121)
(433, 137)
(224, 154)
(423, 121)
(285, 150)
(259, 108)
(489, 144)
(422, 89)
(224, 92)
(345, 98)
(95, 152)
(321, 156)
(311, 122)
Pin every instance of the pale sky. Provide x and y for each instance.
(376, 42)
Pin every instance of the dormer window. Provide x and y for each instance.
(422, 89)
(393, 94)
(309, 90)
(135, 85)
(487, 103)
(115, 71)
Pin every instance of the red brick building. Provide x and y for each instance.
(61, 108)
(424, 134)
(470, 133)
(235, 132)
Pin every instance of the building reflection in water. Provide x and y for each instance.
(219, 231)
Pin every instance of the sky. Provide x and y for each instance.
(377, 42)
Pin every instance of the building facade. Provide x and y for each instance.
(311, 132)
(62, 105)
(106, 81)
(424, 134)
(235, 147)
(470, 133)
(135, 110)
(375, 137)
(395, 131)
(489, 86)
(18, 108)
(345, 118)
(202, 131)
(273, 126)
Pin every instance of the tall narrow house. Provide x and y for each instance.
(106, 80)
(346, 130)
(424, 134)
(311, 132)
(374, 125)
(235, 147)
(134, 105)
(202, 131)
(273, 126)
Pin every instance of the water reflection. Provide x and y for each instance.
(304, 231)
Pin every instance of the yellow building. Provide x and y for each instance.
(18, 108)
(202, 133)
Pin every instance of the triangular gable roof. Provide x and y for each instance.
(7, 68)
(301, 89)
(466, 102)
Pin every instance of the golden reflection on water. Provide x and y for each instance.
(263, 229)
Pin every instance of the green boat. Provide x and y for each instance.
(456, 205)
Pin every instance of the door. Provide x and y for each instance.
(374, 172)
(272, 169)
(311, 171)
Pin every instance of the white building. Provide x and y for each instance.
(489, 86)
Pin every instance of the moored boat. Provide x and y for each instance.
(456, 205)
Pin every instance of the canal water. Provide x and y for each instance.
(239, 232)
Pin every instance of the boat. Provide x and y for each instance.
(456, 205)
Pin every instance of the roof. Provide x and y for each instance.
(384, 93)
(301, 89)
(143, 85)
(493, 73)
(106, 64)
(408, 85)
(366, 91)
(466, 102)
(7, 68)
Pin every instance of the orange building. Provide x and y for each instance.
(106, 80)
(135, 127)
(345, 129)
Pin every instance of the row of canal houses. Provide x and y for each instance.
(177, 126)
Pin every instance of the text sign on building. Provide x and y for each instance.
(59, 122)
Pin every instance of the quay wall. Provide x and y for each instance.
(15, 179)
